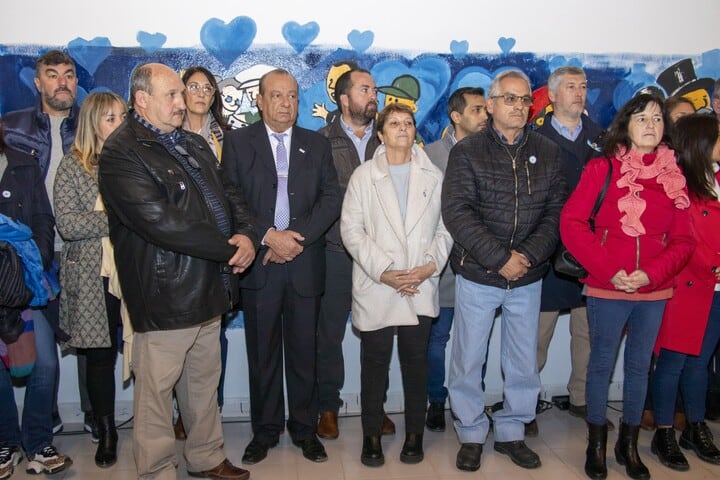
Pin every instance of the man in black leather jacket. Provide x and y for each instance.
(502, 195)
(179, 234)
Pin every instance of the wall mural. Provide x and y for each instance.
(424, 81)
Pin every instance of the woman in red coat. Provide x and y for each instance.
(691, 325)
(640, 242)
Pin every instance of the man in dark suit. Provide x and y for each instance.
(286, 173)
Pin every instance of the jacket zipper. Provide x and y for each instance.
(527, 173)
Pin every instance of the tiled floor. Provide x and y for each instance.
(561, 446)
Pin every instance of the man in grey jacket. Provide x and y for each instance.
(466, 109)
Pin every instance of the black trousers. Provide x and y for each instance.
(280, 329)
(332, 323)
(101, 362)
(375, 352)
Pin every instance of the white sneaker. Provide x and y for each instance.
(48, 460)
(9, 457)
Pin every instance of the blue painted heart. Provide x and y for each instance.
(300, 36)
(361, 41)
(226, 42)
(150, 42)
(459, 48)
(506, 44)
(27, 77)
(90, 53)
(592, 95)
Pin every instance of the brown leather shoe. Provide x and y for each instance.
(388, 427)
(179, 429)
(328, 425)
(225, 470)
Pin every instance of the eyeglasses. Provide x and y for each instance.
(196, 88)
(511, 99)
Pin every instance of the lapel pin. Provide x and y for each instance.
(532, 159)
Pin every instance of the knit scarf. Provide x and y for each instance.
(666, 172)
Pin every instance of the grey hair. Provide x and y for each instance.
(140, 80)
(494, 89)
(557, 75)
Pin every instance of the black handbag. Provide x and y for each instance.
(14, 293)
(563, 262)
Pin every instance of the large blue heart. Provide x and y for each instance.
(300, 36)
(506, 44)
(226, 42)
(150, 42)
(360, 41)
(90, 53)
(431, 72)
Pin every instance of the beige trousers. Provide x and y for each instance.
(579, 349)
(188, 361)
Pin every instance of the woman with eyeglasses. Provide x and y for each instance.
(89, 313)
(691, 325)
(204, 108)
(392, 227)
(640, 241)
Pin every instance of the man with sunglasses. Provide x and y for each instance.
(502, 196)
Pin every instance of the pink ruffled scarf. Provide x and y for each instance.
(664, 168)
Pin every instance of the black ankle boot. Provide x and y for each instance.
(666, 448)
(372, 454)
(697, 436)
(595, 464)
(412, 451)
(626, 452)
(106, 454)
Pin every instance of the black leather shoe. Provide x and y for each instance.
(626, 452)
(435, 420)
(312, 449)
(468, 457)
(372, 454)
(106, 453)
(255, 452)
(595, 454)
(412, 450)
(519, 453)
(665, 446)
(698, 437)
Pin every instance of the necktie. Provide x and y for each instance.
(282, 203)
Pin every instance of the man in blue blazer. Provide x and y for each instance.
(286, 173)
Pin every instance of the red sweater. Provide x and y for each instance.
(661, 252)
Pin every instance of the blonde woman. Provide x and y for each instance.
(88, 312)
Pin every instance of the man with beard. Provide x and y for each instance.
(353, 139)
(46, 132)
(466, 109)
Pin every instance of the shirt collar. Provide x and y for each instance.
(570, 133)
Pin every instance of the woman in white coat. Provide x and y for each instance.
(392, 227)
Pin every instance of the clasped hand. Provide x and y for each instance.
(244, 255)
(630, 283)
(515, 268)
(407, 282)
(283, 246)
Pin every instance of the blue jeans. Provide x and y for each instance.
(37, 408)
(439, 336)
(688, 372)
(607, 320)
(475, 308)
